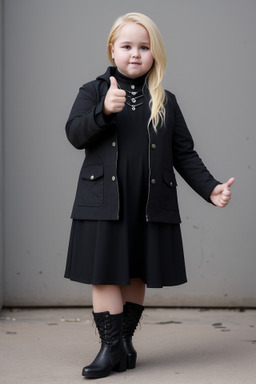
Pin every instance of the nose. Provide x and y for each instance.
(135, 52)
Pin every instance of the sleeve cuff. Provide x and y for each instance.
(100, 118)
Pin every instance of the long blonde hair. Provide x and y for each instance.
(155, 75)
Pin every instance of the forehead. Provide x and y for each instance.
(133, 32)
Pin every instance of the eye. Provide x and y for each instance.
(144, 48)
(126, 46)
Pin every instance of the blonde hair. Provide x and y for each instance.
(155, 75)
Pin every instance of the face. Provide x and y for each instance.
(131, 51)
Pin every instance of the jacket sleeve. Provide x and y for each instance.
(186, 159)
(87, 123)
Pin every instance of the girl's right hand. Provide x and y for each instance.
(115, 98)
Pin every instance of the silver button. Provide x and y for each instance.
(92, 177)
(153, 146)
(113, 178)
(113, 144)
(132, 86)
(171, 183)
(153, 181)
(133, 100)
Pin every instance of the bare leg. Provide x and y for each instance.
(107, 298)
(112, 297)
(134, 293)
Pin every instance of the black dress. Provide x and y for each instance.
(113, 252)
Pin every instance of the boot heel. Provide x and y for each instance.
(131, 362)
(121, 366)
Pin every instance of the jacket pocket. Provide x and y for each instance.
(91, 186)
(169, 191)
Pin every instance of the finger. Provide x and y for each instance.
(118, 106)
(230, 182)
(119, 94)
(113, 83)
(226, 192)
(114, 86)
(224, 200)
(226, 197)
(223, 203)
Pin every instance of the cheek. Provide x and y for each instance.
(119, 57)
(149, 60)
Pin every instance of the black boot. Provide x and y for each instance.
(132, 315)
(112, 355)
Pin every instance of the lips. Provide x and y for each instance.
(135, 63)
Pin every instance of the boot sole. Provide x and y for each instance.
(119, 367)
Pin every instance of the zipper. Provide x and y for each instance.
(149, 173)
(117, 186)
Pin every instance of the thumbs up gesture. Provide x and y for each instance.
(115, 98)
(221, 194)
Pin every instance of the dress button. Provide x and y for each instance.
(92, 177)
(113, 144)
(153, 146)
(153, 181)
(132, 86)
(113, 178)
(171, 183)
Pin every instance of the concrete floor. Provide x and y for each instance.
(175, 346)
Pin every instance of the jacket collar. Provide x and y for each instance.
(109, 72)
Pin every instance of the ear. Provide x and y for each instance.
(112, 51)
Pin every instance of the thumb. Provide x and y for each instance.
(113, 82)
(230, 182)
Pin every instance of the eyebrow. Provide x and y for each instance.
(130, 42)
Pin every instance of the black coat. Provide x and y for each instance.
(97, 196)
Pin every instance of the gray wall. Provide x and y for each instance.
(1, 174)
(54, 46)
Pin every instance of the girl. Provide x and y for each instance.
(126, 224)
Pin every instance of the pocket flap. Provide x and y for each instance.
(92, 172)
(170, 179)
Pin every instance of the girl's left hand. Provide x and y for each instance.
(221, 194)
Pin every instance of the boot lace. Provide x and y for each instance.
(104, 326)
(131, 322)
